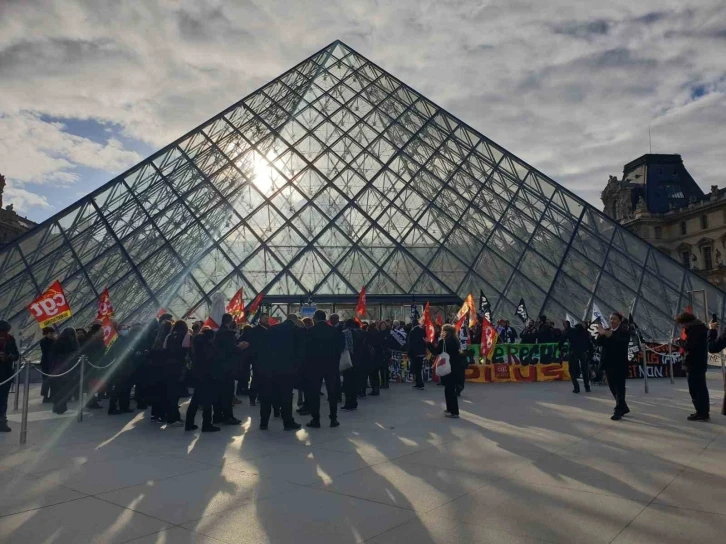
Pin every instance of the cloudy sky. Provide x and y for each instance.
(87, 89)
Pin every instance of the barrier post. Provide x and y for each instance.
(644, 354)
(670, 361)
(26, 398)
(16, 384)
(723, 375)
(81, 361)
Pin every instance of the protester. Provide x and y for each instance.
(529, 333)
(350, 378)
(614, 359)
(176, 346)
(8, 355)
(286, 343)
(696, 345)
(63, 357)
(323, 347)
(205, 375)
(449, 344)
(121, 355)
(579, 346)
(384, 354)
(417, 353)
(258, 344)
(156, 373)
(374, 348)
(227, 356)
(46, 344)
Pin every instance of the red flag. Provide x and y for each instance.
(428, 324)
(236, 306)
(109, 332)
(105, 308)
(50, 307)
(211, 323)
(161, 312)
(253, 307)
(689, 309)
(460, 323)
(360, 309)
(489, 337)
(360, 323)
(439, 320)
(273, 321)
(472, 310)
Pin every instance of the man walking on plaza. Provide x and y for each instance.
(323, 346)
(579, 341)
(696, 344)
(277, 376)
(614, 358)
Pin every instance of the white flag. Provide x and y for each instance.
(597, 316)
(571, 319)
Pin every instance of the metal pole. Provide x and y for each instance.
(670, 361)
(82, 361)
(26, 398)
(16, 384)
(645, 367)
(723, 375)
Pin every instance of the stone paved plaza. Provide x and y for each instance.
(526, 463)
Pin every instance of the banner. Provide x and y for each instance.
(657, 361)
(109, 332)
(236, 306)
(105, 308)
(50, 307)
(360, 308)
(520, 363)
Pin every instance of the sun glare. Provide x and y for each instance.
(263, 174)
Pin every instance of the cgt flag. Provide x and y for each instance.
(360, 308)
(50, 307)
(105, 308)
(485, 308)
(428, 325)
(236, 306)
(521, 311)
(489, 337)
(109, 332)
(439, 320)
(597, 317)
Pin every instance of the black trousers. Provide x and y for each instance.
(157, 395)
(120, 393)
(4, 393)
(578, 365)
(417, 369)
(452, 401)
(384, 373)
(698, 389)
(276, 391)
(203, 396)
(243, 379)
(374, 378)
(223, 405)
(350, 388)
(616, 382)
(63, 389)
(254, 386)
(312, 393)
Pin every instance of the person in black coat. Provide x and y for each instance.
(449, 343)
(697, 346)
(529, 333)
(46, 344)
(119, 384)
(614, 360)
(156, 386)
(8, 355)
(257, 338)
(63, 357)
(323, 346)
(227, 355)
(277, 375)
(417, 353)
(579, 343)
(176, 351)
(203, 373)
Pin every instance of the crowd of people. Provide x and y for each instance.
(160, 361)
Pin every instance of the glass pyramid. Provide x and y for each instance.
(334, 176)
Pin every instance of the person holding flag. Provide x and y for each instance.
(614, 360)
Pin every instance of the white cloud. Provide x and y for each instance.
(22, 200)
(569, 87)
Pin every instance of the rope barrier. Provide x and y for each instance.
(100, 367)
(13, 376)
(57, 375)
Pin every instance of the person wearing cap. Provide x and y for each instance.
(8, 355)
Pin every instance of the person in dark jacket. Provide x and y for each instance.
(9, 354)
(579, 346)
(203, 374)
(176, 347)
(449, 343)
(614, 360)
(529, 333)
(323, 346)
(156, 386)
(257, 339)
(277, 375)
(350, 377)
(227, 355)
(374, 347)
(696, 345)
(46, 344)
(119, 384)
(63, 357)
(417, 353)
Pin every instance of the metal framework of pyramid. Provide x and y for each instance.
(334, 176)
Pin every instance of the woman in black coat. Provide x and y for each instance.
(176, 347)
(449, 343)
(64, 354)
(697, 346)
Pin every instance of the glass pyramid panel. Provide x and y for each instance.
(334, 176)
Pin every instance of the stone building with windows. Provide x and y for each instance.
(12, 225)
(658, 200)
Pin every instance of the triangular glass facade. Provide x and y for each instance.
(334, 176)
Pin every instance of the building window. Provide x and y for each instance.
(686, 258)
(684, 230)
(704, 222)
(707, 260)
(658, 233)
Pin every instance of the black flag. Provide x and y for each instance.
(414, 311)
(521, 311)
(485, 308)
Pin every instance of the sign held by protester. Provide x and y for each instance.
(51, 307)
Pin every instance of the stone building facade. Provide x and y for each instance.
(12, 225)
(659, 201)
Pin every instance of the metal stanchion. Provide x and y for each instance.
(82, 361)
(16, 384)
(723, 375)
(670, 361)
(26, 398)
(645, 367)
